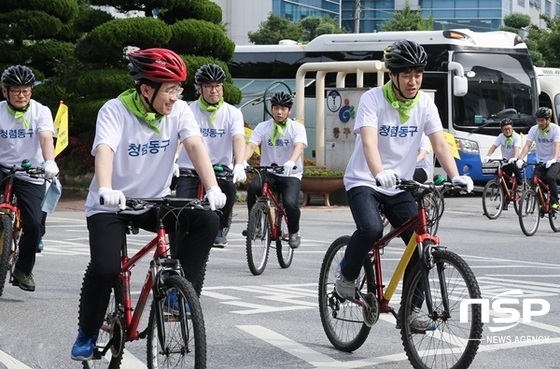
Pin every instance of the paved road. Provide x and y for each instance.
(272, 320)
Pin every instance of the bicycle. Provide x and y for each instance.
(441, 279)
(174, 338)
(267, 222)
(221, 174)
(497, 195)
(10, 220)
(534, 204)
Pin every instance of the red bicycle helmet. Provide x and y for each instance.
(157, 65)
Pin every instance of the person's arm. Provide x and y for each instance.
(443, 153)
(201, 160)
(239, 149)
(491, 150)
(47, 145)
(249, 150)
(297, 152)
(556, 150)
(525, 150)
(104, 166)
(371, 152)
(421, 155)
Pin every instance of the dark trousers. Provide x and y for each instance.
(30, 197)
(512, 169)
(548, 176)
(288, 188)
(194, 233)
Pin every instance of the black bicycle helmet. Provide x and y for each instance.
(506, 122)
(543, 112)
(209, 73)
(404, 54)
(282, 98)
(18, 75)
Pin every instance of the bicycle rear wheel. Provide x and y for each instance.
(529, 212)
(258, 238)
(6, 245)
(438, 293)
(111, 333)
(176, 333)
(284, 252)
(342, 320)
(554, 219)
(493, 199)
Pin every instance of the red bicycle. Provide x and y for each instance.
(10, 219)
(176, 336)
(497, 195)
(267, 222)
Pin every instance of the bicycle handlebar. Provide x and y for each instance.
(173, 202)
(25, 166)
(265, 168)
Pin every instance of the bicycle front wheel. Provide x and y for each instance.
(176, 333)
(6, 243)
(554, 219)
(434, 296)
(342, 320)
(284, 252)
(493, 199)
(258, 238)
(529, 212)
(110, 342)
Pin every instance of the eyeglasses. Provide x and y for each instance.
(217, 87)
(175, 92)
(24, 92)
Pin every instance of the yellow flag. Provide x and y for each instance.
(452, 144)
(61, 128)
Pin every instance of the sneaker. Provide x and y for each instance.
(421, 322)
(344, 288)
(555, 206)
(40, 247)
(171, 304)
(294, 240)
(83, 347)
(23, 281)
(220, 240)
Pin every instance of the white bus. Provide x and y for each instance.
(549, 79)
(502, 82)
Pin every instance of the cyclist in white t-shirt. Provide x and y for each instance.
(26, 132)
(389, 125)
(510, 144)
(223, 132)
(424, 161)
(546, 136)
(282, 141)
(136, 139)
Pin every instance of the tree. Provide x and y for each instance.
(408, 20)
(274, 29)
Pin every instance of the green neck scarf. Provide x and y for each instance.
(278, 130)
(402, 106)
(212, 109)
(19, 114)
(545, 131)
(132, 101)
(509, 140)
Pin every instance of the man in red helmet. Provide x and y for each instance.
(136, 138)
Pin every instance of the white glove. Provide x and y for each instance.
(519, 163)
(50, 168)
(486, 159)
(112, 197)
(239, 174)
(550, 162)
(512, 160)
(464, 181)
(176, 172)
(387, 178)
(289, 167)
(216, 198)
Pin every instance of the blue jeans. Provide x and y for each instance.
(365, 204)
(289, 188)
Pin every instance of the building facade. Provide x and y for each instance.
(243, 16)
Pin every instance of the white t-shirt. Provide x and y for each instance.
(398, 143)
(508, 149)
(427, 162)
(143, 161)
(282, 149)
(18, 143)
(544, 143)
(218, 137)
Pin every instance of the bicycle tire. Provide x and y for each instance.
(342, 321)
(258, 238)
(6, 243)
(493, 199)
(529, 212)
(178, 339)
(284, 252)
(112, 330)
(453, 344)
(434, 211)
(554, 220)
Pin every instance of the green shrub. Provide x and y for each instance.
(321, 172)
(198, 37)
(103, 83)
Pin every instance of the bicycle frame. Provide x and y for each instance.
(542, 188)
(267, 193)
